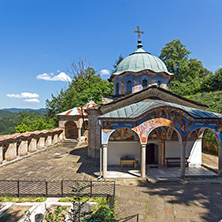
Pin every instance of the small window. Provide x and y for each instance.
(117, 88)
(129, 86)
(158, 83)
(144, 83)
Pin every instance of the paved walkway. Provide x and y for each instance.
(72, 163)
(170, 202)
(157, 201)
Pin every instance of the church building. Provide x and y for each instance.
(145, 123)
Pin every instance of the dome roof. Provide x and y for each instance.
(141, 60)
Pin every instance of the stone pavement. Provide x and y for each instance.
(170, 202)
(192, 200)
(66, 161)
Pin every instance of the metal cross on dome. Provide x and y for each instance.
(139, 32)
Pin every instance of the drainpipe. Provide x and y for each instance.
(100, 152)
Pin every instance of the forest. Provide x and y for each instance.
(191, 79)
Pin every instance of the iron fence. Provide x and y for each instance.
(61, 188)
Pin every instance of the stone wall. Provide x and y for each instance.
(21, 144)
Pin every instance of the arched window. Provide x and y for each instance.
(144, 83)
(158, 83)
(129, 86)
(117, 88)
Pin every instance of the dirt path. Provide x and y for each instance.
(210, 161)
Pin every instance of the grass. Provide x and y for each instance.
(6, 198)
(92, 199)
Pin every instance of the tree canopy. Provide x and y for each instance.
(86, 84)
(189, 73)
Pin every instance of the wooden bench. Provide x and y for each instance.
(125, 160)
(175, 161)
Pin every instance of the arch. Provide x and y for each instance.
(121, 137)
(201, 145)
(203, 128)
(71, 130)
(178, 134)
(85, 128)
(144, 83)
(117, 88)
(159, 83)
(123, 143)
(129, 86)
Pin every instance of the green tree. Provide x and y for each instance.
(86, 84)
(213, 82)
(27, 121)
(175, 56)
(189, 73)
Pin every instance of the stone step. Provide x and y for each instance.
(69, 143)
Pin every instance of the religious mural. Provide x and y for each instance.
(136, 85)
(177, 120)
(123, 134)
(137, 82)
(122, 87)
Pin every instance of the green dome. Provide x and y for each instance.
(141, 60)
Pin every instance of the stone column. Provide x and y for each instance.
(55, 139)
(79, 133)
(11, 153)
(32, 145)
(220, 158)
(162, 152)
(41, 143)
(104, 160)
(23, 148)
(182, 159)
(143, 160)
(62, 136)
(48, 140)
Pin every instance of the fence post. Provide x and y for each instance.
(62, 188)
(137, 217)
(46, 188)
(91, 188)
(18, 188)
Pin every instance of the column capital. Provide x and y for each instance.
(104, 145)
(143, 145)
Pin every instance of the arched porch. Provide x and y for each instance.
(71, 130)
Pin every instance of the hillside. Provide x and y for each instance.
(4, 113)
(212, 99)
(17, 110)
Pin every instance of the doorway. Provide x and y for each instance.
(151, 153)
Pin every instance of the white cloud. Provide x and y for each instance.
(24, 95)
(62, 76)
(31, 100)
(104, 72)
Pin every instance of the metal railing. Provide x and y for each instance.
(56, 188)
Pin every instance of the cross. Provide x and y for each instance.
(138, 31)
(91, 97)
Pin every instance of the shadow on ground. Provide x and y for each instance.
(187, 202)
(88, 165)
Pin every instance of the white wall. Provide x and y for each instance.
(193, 151)
(116, 150)
(195, 157)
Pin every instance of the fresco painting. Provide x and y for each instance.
(137, 82)
(122, 87)
(168, 117)
(123, 134)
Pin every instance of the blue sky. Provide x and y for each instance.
(40, 39)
